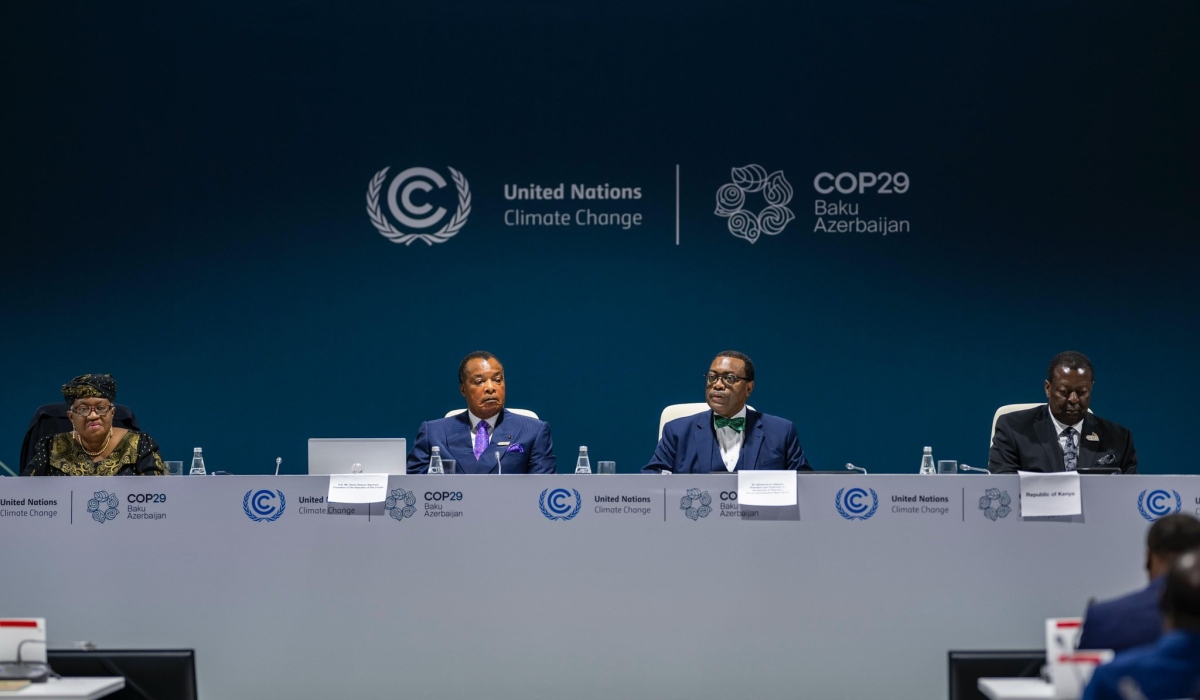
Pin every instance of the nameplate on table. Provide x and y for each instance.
(767, 487)
(358, 488)
(1046, 495)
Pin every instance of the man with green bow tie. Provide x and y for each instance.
(729, 437)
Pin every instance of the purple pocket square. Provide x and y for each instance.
(515, 447)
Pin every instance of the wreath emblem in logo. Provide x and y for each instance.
(696, 504)
(103, 506)
(556, 505)
(853, 506)
(731, 200)
(1158, 503)
(257, 506)
(417, 216)
(400, 504)
(988, 504)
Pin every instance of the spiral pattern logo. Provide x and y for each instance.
(995, 504)
(400, 504)
(852, 503)
(264, 505)
(417, 216)
(771, 219)
(696, 504)
(103, 506)
(556, 504)
(1157, 503)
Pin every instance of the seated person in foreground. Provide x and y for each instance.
(1134, 620)
(1062, 435)
(486, 438)
(1170, 667)
(94, 447)
(729, 437)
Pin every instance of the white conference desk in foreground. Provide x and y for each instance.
(68, 689)
(476, 593)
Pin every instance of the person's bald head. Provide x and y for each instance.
(1181, 595)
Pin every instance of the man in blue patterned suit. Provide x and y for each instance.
(729, 437)
(486, 438)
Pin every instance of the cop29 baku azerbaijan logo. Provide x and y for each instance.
(416, 217)
(994, 504)
(259, 505)
(400, 504)
(696, 504)
(556, 504)
(1157, 503)
(103, 506)
(771, 219)
(852, 503)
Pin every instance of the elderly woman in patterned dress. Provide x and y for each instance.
(94, 447)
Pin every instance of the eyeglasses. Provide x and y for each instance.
(729, 379)
(85, 411)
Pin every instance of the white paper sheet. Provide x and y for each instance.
(1055, 493)
(767, 488)
(357, 488)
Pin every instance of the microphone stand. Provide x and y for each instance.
(853, 468)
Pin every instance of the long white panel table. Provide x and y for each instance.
(509, 587)
(68, 689)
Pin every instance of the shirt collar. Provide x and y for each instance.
(490, 421)
(739, 414)
(1059, 427)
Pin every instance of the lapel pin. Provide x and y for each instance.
(502, 444)
(1094, 437)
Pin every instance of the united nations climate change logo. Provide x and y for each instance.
(259, 508)
(994, 504)
(731, 202)
(400, 504)
(1157, 503)
(556, 504)
(412, 215)
(851, 504)
(696, 504)
(103, 506)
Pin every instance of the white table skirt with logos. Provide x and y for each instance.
(566, 586)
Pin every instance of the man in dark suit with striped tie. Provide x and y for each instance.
(1062, 435)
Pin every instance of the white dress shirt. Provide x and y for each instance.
(730, 441)
(491, 428)
(1062, 439)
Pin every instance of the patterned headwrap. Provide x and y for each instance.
(88, 386)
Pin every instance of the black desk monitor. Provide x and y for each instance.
(967, 667)
(150, 674)
(1099, 470)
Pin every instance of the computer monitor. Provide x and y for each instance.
(967, 667)
(339, 455)
(150, 674)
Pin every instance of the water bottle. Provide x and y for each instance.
(583, 465)
(435, 461)
(197, 463)
(927, 462)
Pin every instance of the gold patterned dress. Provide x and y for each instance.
(61, 455)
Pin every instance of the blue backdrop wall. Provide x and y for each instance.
(186, 192)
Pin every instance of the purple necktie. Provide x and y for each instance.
(481, 439)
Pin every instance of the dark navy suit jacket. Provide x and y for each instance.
(529, 450)
(1129, 621)
(689, 445)
(1027, 440)
(1164, 670)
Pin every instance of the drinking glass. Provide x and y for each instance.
(947, 466)
(448, 466)
(606, 467)
(174, 468)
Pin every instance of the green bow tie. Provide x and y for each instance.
(738, 424)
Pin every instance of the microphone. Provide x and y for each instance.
(853, 468)
(499, 467)
(963, 466)
(278, 461)
(5, 467)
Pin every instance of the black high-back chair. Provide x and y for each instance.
(52, 419)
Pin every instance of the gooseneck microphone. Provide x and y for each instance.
(278, 461)
(853, 468)
(499, 467)
(968, 468)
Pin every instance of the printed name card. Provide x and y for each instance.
(767, 487)
(1056, 493)
(358, 488)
